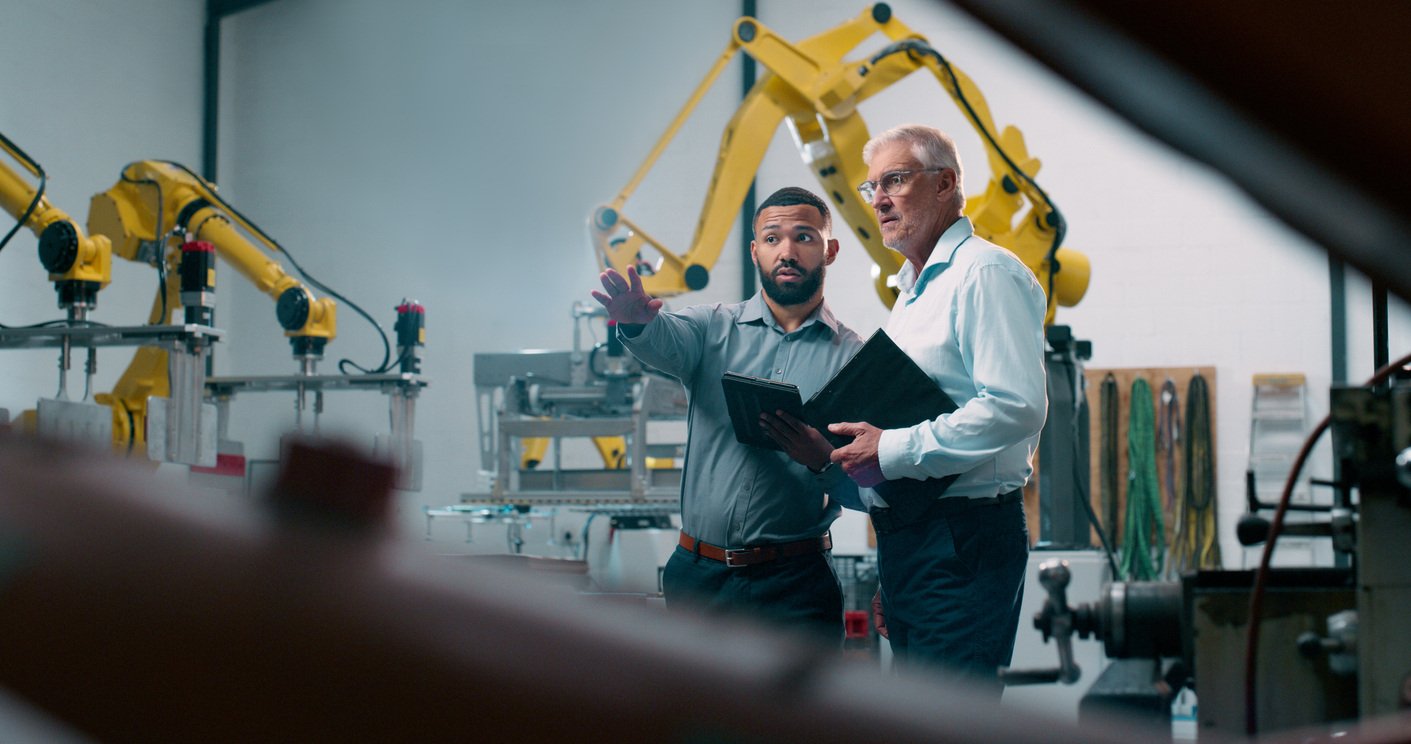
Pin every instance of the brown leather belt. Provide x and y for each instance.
(740, 557)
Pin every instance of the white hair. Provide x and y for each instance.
(929, 145)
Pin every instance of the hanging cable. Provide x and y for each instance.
(387, 361)
(159, 240)
(33, 167)
(1144, 538)
(1108, 404)
(1168, 441)
(1055, 217)
(1081, 461)
(1200, 472)
(1197, 541)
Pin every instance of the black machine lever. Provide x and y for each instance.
(1058, 621)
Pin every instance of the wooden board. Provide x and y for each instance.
(1155, 377)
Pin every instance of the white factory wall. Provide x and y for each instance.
(451, 152)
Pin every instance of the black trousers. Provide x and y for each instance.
(799, 592)
(951, 588)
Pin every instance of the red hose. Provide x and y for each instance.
(1276, 525)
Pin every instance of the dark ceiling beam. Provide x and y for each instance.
(1303, 105)
(223, 8)
(216, 11)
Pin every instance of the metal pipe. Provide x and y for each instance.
(748, 77)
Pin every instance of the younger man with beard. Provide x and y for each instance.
(754, 535)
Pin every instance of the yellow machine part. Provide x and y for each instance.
(128, 213)
(613, 450)
(93, 254)
(149, 206)
(817, 91)
(146, 376)
(145, 206)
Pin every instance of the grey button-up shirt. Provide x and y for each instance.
(734, 495)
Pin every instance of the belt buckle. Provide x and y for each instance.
(740, 554)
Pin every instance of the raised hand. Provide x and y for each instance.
(625, 300)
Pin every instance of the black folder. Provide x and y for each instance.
(880, 385)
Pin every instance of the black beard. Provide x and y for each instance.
(795, 294)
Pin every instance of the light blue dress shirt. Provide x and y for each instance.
(973, 318)
(734, 495)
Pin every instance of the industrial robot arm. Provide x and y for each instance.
(812, 87)
(79, 265)
(154, 202)
(157, 200)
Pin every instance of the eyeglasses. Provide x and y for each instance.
(891, 183)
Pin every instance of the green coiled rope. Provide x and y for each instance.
(1144, 536)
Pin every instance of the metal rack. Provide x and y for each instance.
(181, 428)
(1278, 424)
(402, 390)
(506, 422)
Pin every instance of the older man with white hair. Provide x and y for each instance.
(971, 314)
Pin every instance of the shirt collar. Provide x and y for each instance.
(756, 311)
(908, 280)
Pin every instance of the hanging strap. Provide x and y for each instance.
(1144, 538)
(1107, 457)
(1168, 440)
(1198, 472)
(1168, 437)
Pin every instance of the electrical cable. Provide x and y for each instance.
(387, 361)
(34, 167)
(159, 239)
(1108, 456)
(1087, 504)
(1276, 525)
(1056, 220)
(162, 286)
(56, 323)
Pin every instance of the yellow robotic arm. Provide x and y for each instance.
(812, 87)
(156, 201)
(153, 204)
(79, 265)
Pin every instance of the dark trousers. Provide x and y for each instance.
(799, 592)
(951, 588)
